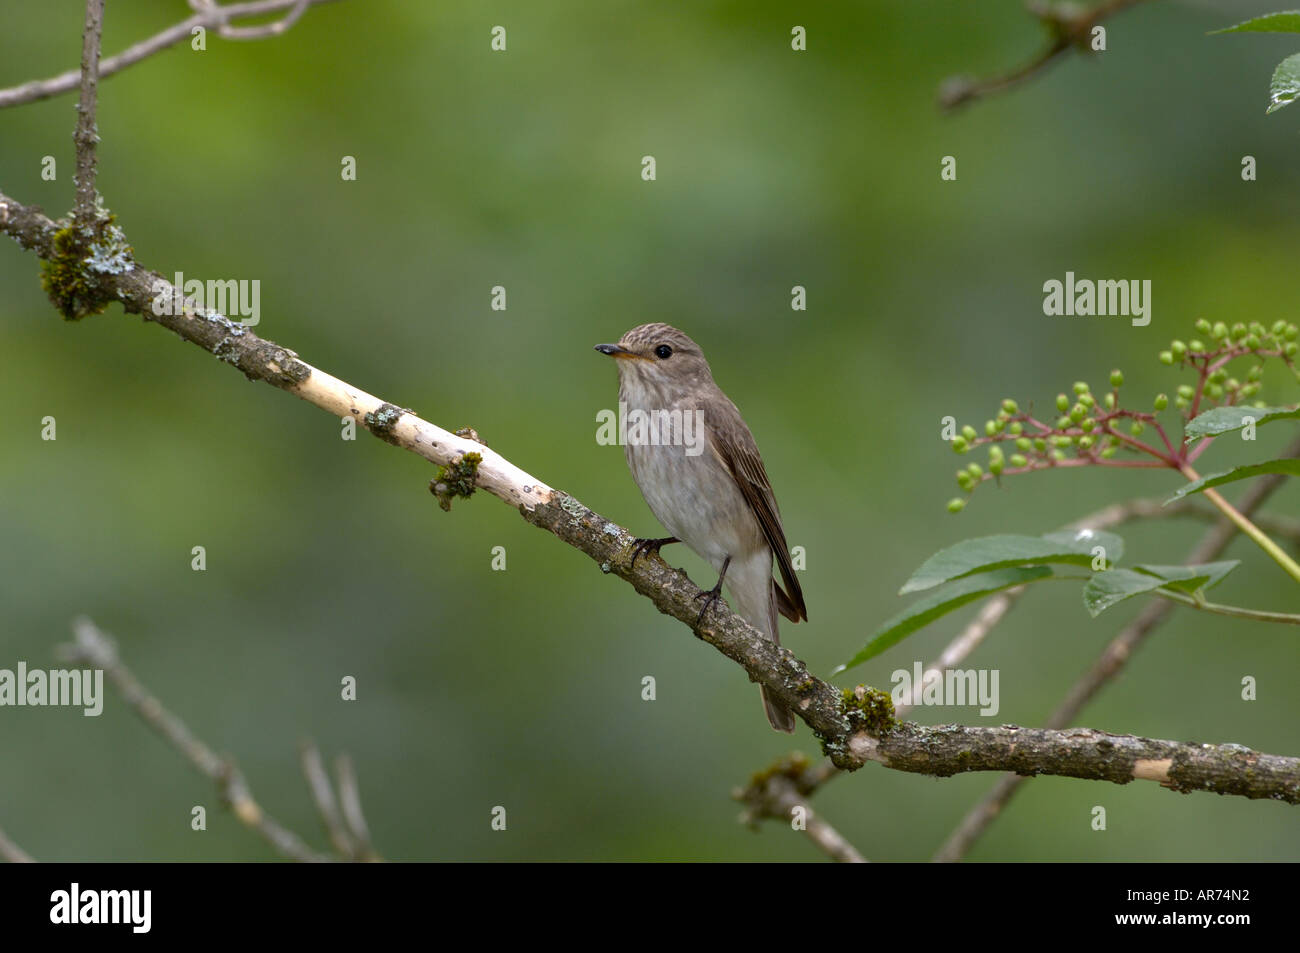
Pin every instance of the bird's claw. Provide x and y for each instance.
(709, 597)
(642, 546)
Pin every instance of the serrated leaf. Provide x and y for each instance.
(1284, 21)
(1289, 466)
(1285, 85)
(1223, 420)
(1113, 586)
(952, 596)
(1003, 551)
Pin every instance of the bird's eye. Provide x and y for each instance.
(663, 352)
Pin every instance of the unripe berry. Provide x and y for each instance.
(956, 505)
(1239, 331)
(1081, 387)
(1290, 348)
(975, 470)
(1136, 428)
(1010, 406)
(1062, 403)
(1179, 349)
(1040, 444)
(1019, 460)
(1110, 401)
(1162, 401)
(990, 427)
(1086, 424)
(1166, 357)
(1116, 378)
(1220, 330)
(1197, 346)
(959, 444)
(1202, 326)
(1279, 327)
(1255, 373)
(1024, 443)
(1253, 342)
(1015, 428)
(969, 432)
(1058, 455)
(1078, 412)
(1109, 452)
(1187, 391)
(1249, 390)
(1085, 443)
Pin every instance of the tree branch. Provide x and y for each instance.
(1112, 659)
(210, 17)
(92, 647)
(854, 728)
(808, 779)
(85, 134)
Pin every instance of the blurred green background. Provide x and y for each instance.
(522, 688)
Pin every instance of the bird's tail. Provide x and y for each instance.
(755, 593)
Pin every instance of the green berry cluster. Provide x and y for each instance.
(1090, 429)
(1219, 344)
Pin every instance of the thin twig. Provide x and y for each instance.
(1070, 28)
(92, 647)
(345, 777)
(322, 794)
(85, 134)
(11, 852)
(778, 794)
(212, 18)
(1107, 666)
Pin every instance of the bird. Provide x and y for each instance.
(700, 472)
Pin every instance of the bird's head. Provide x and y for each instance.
(658, 354)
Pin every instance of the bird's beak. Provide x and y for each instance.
(614, 350)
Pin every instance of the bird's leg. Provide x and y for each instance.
(712, 595)
(642, 546)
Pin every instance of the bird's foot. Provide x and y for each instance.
(642, 546)
(709, 598)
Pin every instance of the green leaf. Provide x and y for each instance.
(1284, 21)
(1000, 552)
(1285, 86)
(1105, 589)
(1289, 466)
(1182, 577)
(1223, 420)
(930, 607)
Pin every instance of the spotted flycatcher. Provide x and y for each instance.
(700, 472)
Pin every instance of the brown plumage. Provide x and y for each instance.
(718, 500)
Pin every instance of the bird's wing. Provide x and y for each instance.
(735, 447)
